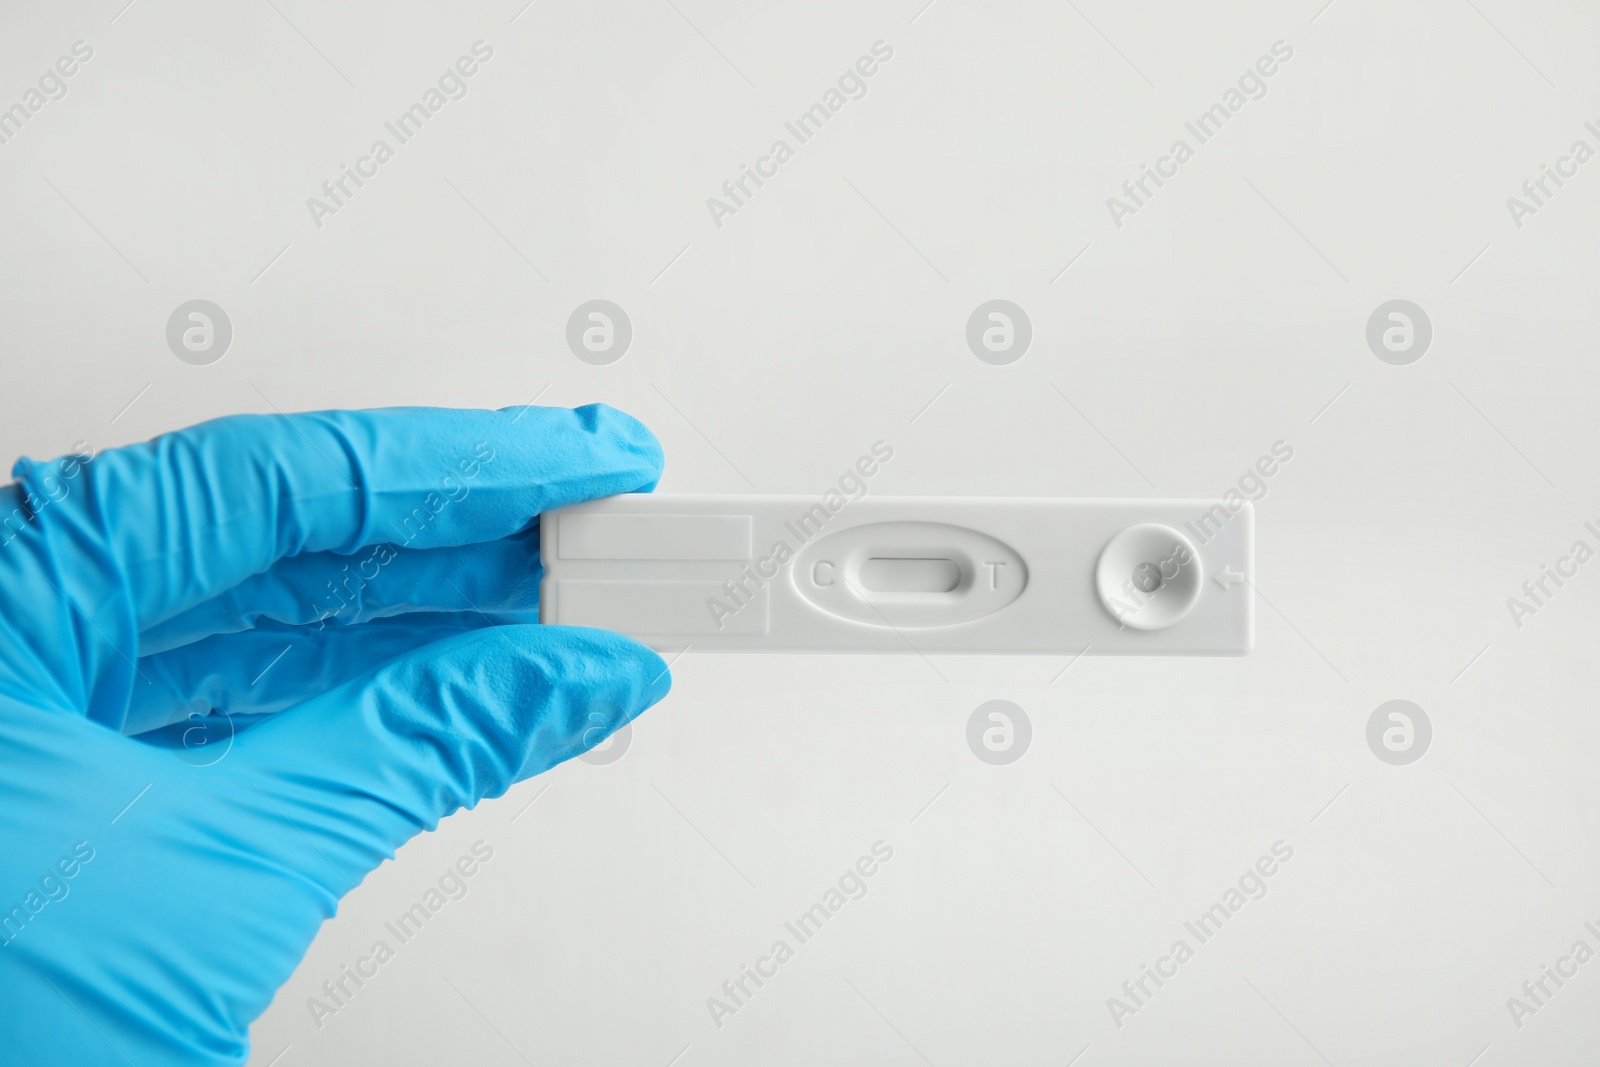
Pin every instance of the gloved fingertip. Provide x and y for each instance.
(659, 685)
(637, 680)
(630, 435)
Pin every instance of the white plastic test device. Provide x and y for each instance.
(903, 574)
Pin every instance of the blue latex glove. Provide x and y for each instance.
(370, 577)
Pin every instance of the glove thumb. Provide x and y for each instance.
(364, 767)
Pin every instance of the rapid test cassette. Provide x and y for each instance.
(905, 574)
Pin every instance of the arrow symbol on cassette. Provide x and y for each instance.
(1229, 577)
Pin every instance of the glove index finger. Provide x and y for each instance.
(174, 521)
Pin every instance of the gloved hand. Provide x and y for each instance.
(351, 590)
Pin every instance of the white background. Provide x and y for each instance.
(1227, 314)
